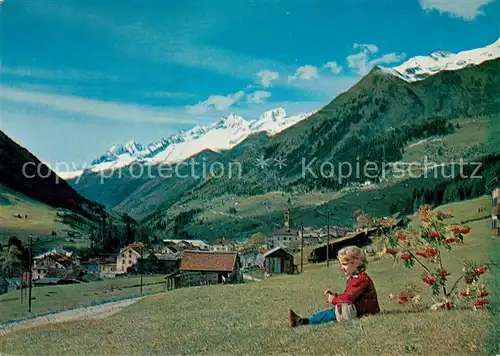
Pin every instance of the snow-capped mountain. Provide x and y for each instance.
(223, 134)
(421, 67)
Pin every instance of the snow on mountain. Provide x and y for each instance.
(421, 67)
(223, 134)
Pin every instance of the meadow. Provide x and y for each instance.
(251, 318)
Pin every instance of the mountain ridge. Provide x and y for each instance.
(421, 67)
(223, 134)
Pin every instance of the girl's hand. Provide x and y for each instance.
(327, 292)
(329, 298)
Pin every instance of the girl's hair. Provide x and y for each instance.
(353, 253)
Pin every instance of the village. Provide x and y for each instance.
(187, 262)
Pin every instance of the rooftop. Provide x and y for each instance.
(208, 261)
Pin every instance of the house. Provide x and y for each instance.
(53, 264)
(278, 260)
(128, 256)
(285, 236)
(223, 245)
(91, 267)
(186, 244)
(495, 213)
(251, 258)
(108, 267)
(208, 267)
(100, 267)
(160, 263)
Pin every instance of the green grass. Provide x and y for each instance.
(41, 222)
(59, 297)
(251, 318)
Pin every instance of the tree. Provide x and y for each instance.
(424, 247)
(258, 238)
(12, 259)
(129, 231)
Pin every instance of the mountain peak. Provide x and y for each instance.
(273, 114)
(421, 67)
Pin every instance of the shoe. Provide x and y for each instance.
(294, 319)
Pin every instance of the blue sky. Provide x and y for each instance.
(79, 76)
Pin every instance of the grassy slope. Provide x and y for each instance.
(40, 221)
(51, 298)
(261, 212)
(251, 318)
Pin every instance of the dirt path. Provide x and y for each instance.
(97, 311)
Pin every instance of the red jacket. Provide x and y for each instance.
(361, 292)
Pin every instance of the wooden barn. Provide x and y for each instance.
(207, 267)
(278, 260)
(360, 239)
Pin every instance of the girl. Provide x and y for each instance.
(359, 298)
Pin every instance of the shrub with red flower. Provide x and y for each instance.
(425, 247)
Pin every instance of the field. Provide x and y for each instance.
(41, 222)
(53, 298)
(251, 318)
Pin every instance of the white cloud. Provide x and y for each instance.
(266, 77)
(306, 72)
(367, 47)
(58, 74)
(388, 58)
(363, 61)
(467, 9)
(217, 102)
(69, 104)
(334, 67)
(258, 97)
(168, 95)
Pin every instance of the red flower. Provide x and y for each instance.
(455, 230)
(421, 254)
(466, 293)
(480, 302)
(401, 236)
(403, 300)
(405, 257)
(465, 230)
(483, 294)
(449, 241)
(449, 306)
(430, 252)
(479, 271)
(434, 235)
(425, 219)
(444, 273)
(392, 251)
(430, 280)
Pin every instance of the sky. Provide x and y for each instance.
(77, 77)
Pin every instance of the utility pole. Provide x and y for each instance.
(142, 265)
(327, 237)
(301, 248)
(22, 284)
(30, 273)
